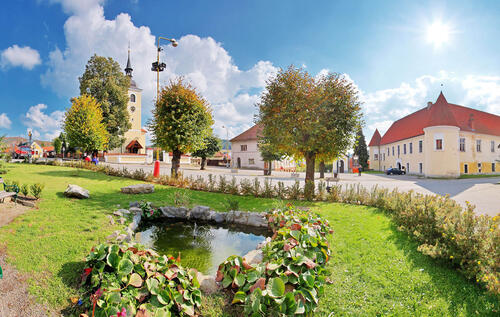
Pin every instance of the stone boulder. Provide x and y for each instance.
(175, 212)
(138, 189)
(134, 204)
(256, 220)
(218, 217)
(254, 257)
(76, 192)
(207, 283)
(135, 210)
(200, 213)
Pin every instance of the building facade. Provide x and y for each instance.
(440, 140)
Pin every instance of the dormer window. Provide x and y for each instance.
(132, 98)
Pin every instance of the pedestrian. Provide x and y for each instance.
(360, 169)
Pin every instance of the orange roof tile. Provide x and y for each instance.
(250, 134)
(375, 138)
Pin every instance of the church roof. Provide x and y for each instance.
(375, 139)
(442, 113)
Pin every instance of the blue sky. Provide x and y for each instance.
(398, 53)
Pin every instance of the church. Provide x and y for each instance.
(133, 149)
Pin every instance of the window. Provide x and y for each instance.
(466, 169)
(493, 167)
(492, 146)
(439, 144)
(462, 144)
(399, 152)
(251, 161)
(393, 151)
(479, 167)
(243, 147)
(407, 168)
(132, 98)
(420, 167)
(388, 153)
(411, 147)
(384, 156)
(404, 148)
(420, 146)
(375, 157)
(478, 145)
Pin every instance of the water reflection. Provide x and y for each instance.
(203, 247)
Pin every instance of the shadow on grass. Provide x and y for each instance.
(83, 173)
(461, 293)
(70, 275)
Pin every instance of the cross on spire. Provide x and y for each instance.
(128, 69)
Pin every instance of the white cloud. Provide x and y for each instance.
(4, 121)
(14, 56)
(49, 124)
(231, 91)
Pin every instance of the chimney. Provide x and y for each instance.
(429, 105)
(471, 121)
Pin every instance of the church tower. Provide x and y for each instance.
(135, 137)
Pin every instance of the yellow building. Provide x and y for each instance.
(133, 149)
(440, 140)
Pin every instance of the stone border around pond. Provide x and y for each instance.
(208, 284)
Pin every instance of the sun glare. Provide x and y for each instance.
(438, 34)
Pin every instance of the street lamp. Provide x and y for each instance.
(159, 67)
(227, 145)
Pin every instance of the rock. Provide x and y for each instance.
(121, 221)
(138, 189)
(111, 220)
(121, 237)
(26, 203)
(113, 235)
(207, 283)
(200, 212)
(118, 213)
(262, 244)
(76, 192)
(240, 217)
(135, 210)
(124, 211)
(135, 222)
(254, 257)
(219, 217)
(175, 212)
(134, 204)
(256, 220)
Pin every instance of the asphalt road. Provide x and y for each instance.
(484, 193)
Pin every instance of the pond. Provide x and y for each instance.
(203, 246)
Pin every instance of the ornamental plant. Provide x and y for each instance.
(128, 280)
(291, 277)
(148, 211)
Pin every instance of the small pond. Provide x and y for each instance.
(203, 246)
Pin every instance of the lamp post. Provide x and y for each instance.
(227, 145)
(159, 67)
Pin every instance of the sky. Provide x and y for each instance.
(399, 54)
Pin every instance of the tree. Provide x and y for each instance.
(57, 145)
(212, 145)
(104, 80)
(304, 117)
(360, 149)
(83, 125)
(269, 153)
(181, 121)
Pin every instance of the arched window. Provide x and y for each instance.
(132, 98)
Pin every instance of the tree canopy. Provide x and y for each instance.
(83, 124)
(361, 150)
(57, 145)
(212, 145)
(104, 80)
(181, 120)
(304, 117)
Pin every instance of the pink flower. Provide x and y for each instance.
(123, 313)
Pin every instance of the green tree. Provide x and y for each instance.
(83, 125)
(212, 145)
(181, 121)
(57, 143)
(104, 80)
(361, 150)
(304, 117)
(269, 153)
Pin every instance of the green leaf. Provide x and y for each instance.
(113, 260)
(114, 248)
(125, 267)
(163, 297)
(239, 297)
(252, 276)
(239, 280)
(275, 287)
(226, 281)
(114, 298)
(135, 280)
(295, 234)
(152, 285)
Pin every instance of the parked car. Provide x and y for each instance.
(395, 171)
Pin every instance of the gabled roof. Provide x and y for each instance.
(134, 144)
(442, 113)
(249, 135)
(375, 139)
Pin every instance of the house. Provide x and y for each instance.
(49, 151)
(133, 149)
(245, 152)
(440, 140)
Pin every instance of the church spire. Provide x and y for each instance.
(128, 69)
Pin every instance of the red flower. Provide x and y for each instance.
(87, 271)
(123, 313)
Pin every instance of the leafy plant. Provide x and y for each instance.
(232, 204)
(280, 190)
(256, 187)
(36, 190)
(24, 189)
(222, 184)
(148, 211)
(181, 198)
(268, 190)
(246, 187)
(295, 192)
(211, 183)
(232, 187)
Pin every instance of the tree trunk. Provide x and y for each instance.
(322, 169)
(203, 163)
(310, 161)
(269, 167)
(176, 162)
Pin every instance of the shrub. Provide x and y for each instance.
(211, 183)
(138, 282)
(24, 189)
(280, 190)
(295, 192)
(256, 187)
(232, 204)
(232, 187)
(181, 198)
(139, 174)
(222, 184)
(148, 211)
(36, 190)
(268, 190)
(321, 191)
(246, 187)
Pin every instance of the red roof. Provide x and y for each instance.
(250, 134)
(375, 138)
(441, 113)
(48, 148)
(134, 144)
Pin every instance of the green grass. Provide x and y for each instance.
(376, 269)
(373, 172)
(478, 175)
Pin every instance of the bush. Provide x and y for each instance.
(256, 187)
(246, 187)
(295, 192)
(232, 204)
(36, 190)
(222, 184)
(268, 190)
(181, 198)
(139, 174)
(211, 183)
(232, 187)
(148, 211)
(280, 190)
(24, 189)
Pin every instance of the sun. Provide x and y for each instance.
(438, 33)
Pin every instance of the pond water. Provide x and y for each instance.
(203, 246)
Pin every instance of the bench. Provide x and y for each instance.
(328, 180)
(8, 191)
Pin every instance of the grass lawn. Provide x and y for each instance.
(373, 172)
(478, 175)
(376, 269)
